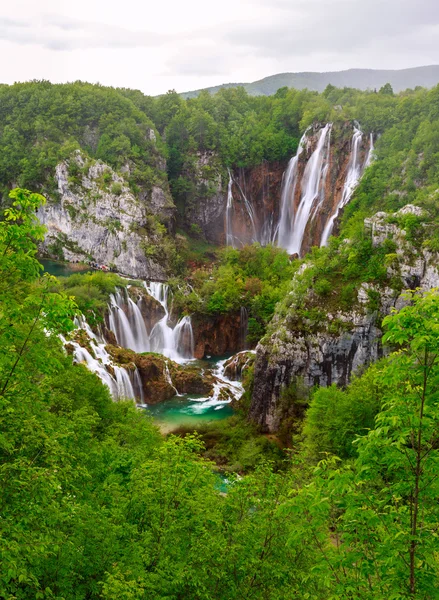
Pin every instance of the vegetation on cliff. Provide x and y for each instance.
(95, 504)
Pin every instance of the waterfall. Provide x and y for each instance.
(289, 182)
(249, 209)
(311, 189)
(176, 343)
(184, 338)
(354, 172)
(229, 209)
(370, 155)
(101, 364)
(127, 325)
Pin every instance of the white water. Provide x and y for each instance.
(224, 391)
(120, 385)
(355, 169)
(312, 189)
(370, 155)
(289, 183)
(128, 327)
(292, 224)
(176, 343)
(353, 176)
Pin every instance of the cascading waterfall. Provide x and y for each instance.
(229, 209)
(370, 156)
(176, 343)
(128, 327)
(120, 385)
(353, 176)
(311, 189)
(289, 182)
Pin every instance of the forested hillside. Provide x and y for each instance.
(331, 454)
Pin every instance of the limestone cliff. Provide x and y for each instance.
(206, 201)
(303, 349)
(97, 217)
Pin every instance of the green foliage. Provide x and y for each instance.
(255, 277)
(235, 445)
(91, 291)
(336, 417)
(44, 123)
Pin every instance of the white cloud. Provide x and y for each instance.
(156, 46)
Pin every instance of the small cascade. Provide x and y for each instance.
(312, 189)
(176, 343)
(224, 391)
(243, 327)
(184, 338)
(229, 211)
(126, 322)
(168, 380)
(353, 176)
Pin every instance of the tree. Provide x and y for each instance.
(375, 523)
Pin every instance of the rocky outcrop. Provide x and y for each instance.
(160, 377)
(98, 218)
(236, 367)
(255, 204)
(152, 311)
(341, 343)
(216, 336)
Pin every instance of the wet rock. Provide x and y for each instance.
(237, 365)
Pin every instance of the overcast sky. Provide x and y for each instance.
(188, 44)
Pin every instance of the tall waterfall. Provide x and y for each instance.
(176, 343)
(355, 169)
(289, 183)
(229, 210)
(124, 383)
(353, 176)
(312, 189)
(370, 156)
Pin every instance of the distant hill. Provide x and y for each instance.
(362, 79)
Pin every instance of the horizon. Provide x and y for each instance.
(226, 83)
(170, 46)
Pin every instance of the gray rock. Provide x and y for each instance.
(100, 221)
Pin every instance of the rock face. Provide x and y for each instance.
(98, 218)
(343, 342)
(255, 204)
(236, 367)
(215, 336)
(161, 378)
(258, 186)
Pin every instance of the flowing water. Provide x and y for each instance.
(128, 325)
(292, 223)
(355, 169)
(124, 384)
(177, 343)
(190, 410)
(312, 189)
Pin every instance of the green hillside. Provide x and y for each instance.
(361, 79)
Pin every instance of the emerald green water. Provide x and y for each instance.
(190, 410)
(185, 411)
(60, 269)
